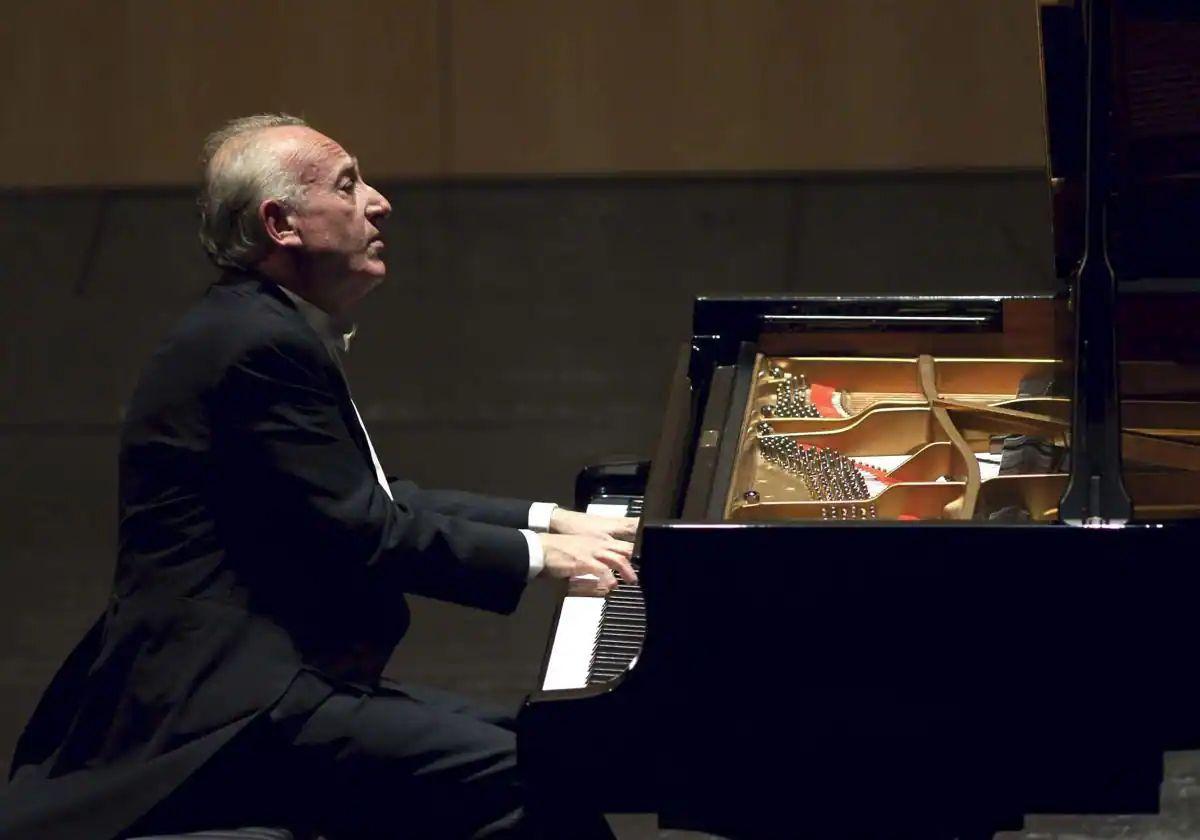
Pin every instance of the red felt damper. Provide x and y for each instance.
(821, 396)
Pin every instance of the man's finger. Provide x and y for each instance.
(626, 525)
(622, 547)
(606, 581)
(587, 586)
(621, 564)
(595, 578)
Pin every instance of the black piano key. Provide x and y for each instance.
(615, 665)
(622, 633)
(619, 645)
(622, 622)
(615, 642)
(624, 615)
(615, 660)
(628, 628)
(620, 664)
(612, 670)
(624, 608)
(612, 648)
(625, 642)
(627, 637)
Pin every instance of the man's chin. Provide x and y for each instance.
(371, 273)
(376, 268)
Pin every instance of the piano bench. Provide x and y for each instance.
(254, 833)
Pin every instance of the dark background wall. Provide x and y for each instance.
(525, 328)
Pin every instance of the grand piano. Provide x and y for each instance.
(921, 566)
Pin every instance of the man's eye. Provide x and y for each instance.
(348, 186)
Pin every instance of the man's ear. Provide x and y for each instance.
(277, 221)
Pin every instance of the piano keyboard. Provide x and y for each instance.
(597, 639)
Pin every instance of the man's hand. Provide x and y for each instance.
(570, 556)
(563, 521)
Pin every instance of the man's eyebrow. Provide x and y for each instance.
(349, 167)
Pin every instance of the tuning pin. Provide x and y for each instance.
(803, 382)
(764, 428)
(751, 497)
(767, 411)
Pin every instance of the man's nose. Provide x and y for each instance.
(378, 207)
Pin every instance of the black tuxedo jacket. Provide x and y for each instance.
(255, 543)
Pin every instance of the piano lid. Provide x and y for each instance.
(1154, 131)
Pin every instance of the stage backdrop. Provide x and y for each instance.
(122, 92)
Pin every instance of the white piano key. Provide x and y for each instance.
(604, 509)
(575, 633)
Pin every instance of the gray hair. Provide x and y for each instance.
(238, 176)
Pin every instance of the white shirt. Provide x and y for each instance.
(336, 337)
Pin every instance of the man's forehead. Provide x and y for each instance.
(310, 152)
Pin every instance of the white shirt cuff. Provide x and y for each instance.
(539, 516)
(537, 558)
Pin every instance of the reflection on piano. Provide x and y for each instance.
(944, 543)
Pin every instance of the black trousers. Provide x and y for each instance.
(402, 762)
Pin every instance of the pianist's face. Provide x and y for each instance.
(339, 252)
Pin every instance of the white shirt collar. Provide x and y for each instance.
(334, 332)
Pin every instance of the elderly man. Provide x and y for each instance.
(235, 676)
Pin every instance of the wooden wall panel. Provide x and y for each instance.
(124, 91)
(121, 92)
(541, 85)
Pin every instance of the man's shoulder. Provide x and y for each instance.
(237, 315)
(235, 320)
